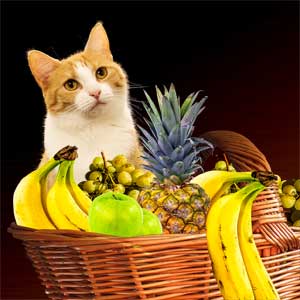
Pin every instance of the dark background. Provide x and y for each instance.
(244, 55)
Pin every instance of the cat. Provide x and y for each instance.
(87, 102)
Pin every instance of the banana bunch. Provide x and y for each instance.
(237, 265)
(64, 206)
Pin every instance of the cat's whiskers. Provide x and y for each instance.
(70, 108)
(133, 85)
(135, 100)
(86, 106)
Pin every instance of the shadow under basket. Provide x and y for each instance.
(84, 265)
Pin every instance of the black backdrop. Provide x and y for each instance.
(244, 55)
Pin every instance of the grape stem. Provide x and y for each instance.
(106, 170)
(111, 179)
(226, 161)
(227, 166)
(104, 160)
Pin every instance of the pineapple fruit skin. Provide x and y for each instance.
(180, 208)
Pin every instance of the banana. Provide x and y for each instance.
(212, 181)
(215, 182)
(223, 245)
(261, 282)
(44, 192)
(63, 209)
(29, 210)
(83, 201)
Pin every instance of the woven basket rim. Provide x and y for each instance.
(68, 234)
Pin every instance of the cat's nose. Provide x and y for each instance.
(95, 94)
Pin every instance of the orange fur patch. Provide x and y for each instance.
(57, 98)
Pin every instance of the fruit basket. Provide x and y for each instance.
(84, 265)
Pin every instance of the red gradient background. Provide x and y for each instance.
(244, 55)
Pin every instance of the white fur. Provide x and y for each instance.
(108, 127)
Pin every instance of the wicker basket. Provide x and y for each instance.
(81, 265)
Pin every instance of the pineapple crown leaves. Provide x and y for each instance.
(171, 151)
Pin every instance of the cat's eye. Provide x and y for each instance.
(71, 85)
(101, 73)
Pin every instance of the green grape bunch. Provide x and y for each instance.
(117, 175)
(289, 191)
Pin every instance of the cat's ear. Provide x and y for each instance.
(41, 66)
(98, 41)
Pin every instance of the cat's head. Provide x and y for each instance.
(89, 82)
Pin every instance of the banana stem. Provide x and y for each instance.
(47, 167)
(239, 176)
(62, 171)
(71, 172)
(250, 189)
(265, 177)
(66, 153)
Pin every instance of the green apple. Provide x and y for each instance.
(115, 214)
(151, 224)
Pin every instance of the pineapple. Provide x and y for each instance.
(173, 156)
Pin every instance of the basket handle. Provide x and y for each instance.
(267, 213)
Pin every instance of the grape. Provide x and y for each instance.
(297, 204)
(119, 188)
(221, 165)
(134, 194)
(108, 164)
(128, 168)
(297, 185)
(144, 181)
(87, 175)
(296, 223)
(92, 167)
(137, 173)
(278, 179)
(111, 169)
(231, 168)
(119, 161)
(102, 187)
(124, 178)
(98, 162)
(149, 174)
(89, 186)
(95, 175)
(289, 190)
(290, 198)
(295, 215)
(287, 201)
